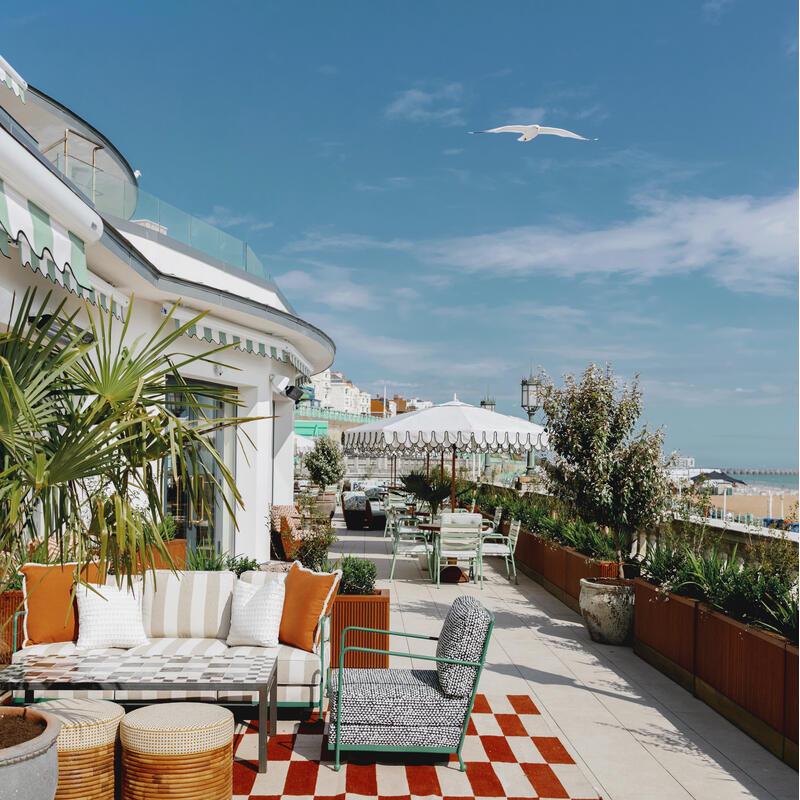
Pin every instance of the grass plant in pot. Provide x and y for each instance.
(359, 603)
(85, 433)
(325, 465)
(609, 470)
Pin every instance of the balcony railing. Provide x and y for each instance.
(119, 198)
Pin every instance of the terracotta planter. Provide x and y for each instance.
(326, 503)
(790, 723)
(664, 631)
(29, 771)
(578, 566)
(10, 603)
(607, 610)
(364, 611)
(746, 665)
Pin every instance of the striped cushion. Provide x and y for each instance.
(188, 604)
(261, 577)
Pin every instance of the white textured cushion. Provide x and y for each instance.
(256, 614)
(191, 605)
(109, 616)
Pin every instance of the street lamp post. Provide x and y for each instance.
(530, 401)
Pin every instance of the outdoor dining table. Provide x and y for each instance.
(433, 529)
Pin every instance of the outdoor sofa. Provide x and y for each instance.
(189, 613)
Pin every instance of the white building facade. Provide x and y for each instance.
(74, 222)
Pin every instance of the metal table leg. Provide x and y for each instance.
(273, 705)
(263, 731)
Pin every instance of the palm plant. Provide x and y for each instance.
(85, 429)
(431, 491)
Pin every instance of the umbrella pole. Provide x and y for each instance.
(441, 468)
(427, 466)
(453, 482)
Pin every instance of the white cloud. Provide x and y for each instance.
(387, 185)
(713, 9)
(746, 244)
(521, 115)
(316, 240)
(327, 285)
(440, 104)
(224, 217)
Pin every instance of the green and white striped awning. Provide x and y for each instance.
(11, 78)
(216, 331)
(44, 243)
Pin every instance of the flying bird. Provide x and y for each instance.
(532, 131)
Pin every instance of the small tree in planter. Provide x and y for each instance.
(325, 463)
(604, 470)
(608, 472)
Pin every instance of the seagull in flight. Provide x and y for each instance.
(532, 131)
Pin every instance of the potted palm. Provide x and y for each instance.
(325, 465)
(431, 491)
(85, 429)
(607, 472)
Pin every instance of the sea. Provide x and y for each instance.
(779, 482)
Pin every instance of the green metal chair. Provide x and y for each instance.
(412, 710)
(408, 541)
(459, 538)
(495, 544)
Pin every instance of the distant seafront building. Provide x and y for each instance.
(75, 222)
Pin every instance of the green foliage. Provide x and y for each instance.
(312, 552)
(604, 470)
(430, 491)
(205, 558)
(358, 575)
(86, 428)
(241, 564)
(325, 463)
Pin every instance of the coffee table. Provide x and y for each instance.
(158, 672)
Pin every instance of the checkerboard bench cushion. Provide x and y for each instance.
(298, 670)
(395, 698)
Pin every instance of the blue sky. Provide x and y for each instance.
(333, 136)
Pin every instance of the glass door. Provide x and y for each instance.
(203, 520)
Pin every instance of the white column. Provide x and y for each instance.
(283, 451)
(254, 474)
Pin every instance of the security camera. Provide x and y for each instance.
(285, 386)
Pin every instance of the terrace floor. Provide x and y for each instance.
(635, 733)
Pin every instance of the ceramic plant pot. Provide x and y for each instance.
(607, 609)
(29, 771)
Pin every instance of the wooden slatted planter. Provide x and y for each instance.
(10, 603)
(746, 674)
(664, 631)
(364, 611)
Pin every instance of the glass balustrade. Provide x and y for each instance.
(119, 198)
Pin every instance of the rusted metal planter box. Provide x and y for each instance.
(790, 708)
(364, 611)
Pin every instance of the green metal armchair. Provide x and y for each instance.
(412, 710)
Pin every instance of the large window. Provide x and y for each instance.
(203, 520)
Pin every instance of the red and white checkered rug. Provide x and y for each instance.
(509, 751)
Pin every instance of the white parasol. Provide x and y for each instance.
(453, 426)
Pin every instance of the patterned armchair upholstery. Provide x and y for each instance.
(418, 710)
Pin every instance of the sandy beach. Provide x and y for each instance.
(783, 504)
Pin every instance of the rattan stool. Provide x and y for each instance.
(177, 750)
(86, 746)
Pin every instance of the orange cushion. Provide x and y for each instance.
(309, 595)
(51, 614)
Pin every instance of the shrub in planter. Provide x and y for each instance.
(325, 463)
(359, 604)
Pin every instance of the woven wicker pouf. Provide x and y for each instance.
(177, 750)
(86, 746)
